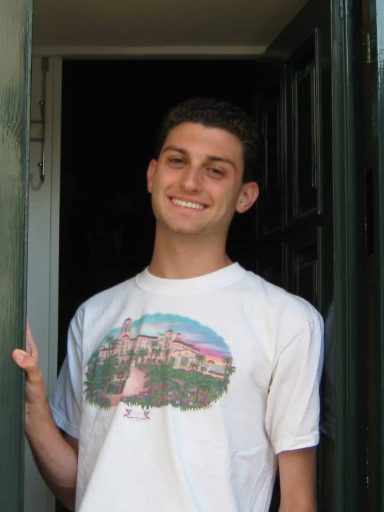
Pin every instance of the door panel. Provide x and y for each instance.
(303, 129)
(15, 23)
(270, 216)
(303, 266)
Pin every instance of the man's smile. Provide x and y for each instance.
(187, 204)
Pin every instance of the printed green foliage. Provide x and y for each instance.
(155, 371)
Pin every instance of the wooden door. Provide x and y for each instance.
(15, 36)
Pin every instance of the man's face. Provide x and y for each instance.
(196, 184)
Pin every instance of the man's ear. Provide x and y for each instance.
(151, 173)
(248, 194)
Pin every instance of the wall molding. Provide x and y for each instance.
(148, 51)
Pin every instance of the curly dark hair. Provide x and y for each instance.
(215, 113)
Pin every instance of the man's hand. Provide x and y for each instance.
(28, 360)
(55, 456)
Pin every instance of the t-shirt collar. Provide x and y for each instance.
(217, 279)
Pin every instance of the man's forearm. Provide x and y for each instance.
(54, 455)
(297, 470)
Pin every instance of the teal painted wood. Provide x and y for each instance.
(378, 10)
(15, 45)
(349, 256)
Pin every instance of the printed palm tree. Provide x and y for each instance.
(124, 366)
(91, 380)
(99, 377)
(111, 344)
(161, 380)
(108, 370)
(157, 351)
(188, 377)
(167, 352)
(183, 377)
(199, 382)
(204, 386)
(216, 387)
(141, 354)
(154, 346)
(194, 366)
(131, 355)
(200, 360)
(228, 371)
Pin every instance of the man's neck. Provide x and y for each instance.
(180, 258)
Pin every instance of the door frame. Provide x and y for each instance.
(377, 20)
(349, 257)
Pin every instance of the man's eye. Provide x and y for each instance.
(176, 160)
(214, 171)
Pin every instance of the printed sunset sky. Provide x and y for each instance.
(201, 336)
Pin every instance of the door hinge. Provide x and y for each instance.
(369, 47)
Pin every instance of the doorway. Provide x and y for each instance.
(111, 113)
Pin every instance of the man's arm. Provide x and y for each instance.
(297, 470)
(55, 455)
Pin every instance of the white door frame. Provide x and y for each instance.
(43, 245)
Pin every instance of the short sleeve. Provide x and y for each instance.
(293, 404)
(66, 403)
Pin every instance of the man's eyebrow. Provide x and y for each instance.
(174, 148)
(212, 158)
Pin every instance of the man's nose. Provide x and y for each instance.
(192, 178)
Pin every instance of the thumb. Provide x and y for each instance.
(23, 359)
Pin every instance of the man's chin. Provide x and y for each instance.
(186, 230)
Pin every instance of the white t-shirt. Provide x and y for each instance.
(182, 392)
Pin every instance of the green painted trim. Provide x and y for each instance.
(378, 115)
(349, 255)
(15, 57)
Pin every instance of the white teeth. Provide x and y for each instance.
(187, 204)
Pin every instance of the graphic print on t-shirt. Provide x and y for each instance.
(157, 360)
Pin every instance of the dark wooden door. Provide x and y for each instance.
(295, 220)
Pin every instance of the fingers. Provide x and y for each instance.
(31, 343)
(27, 359)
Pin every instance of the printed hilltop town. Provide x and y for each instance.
(154, 371)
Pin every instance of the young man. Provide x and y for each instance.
(184, 386)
